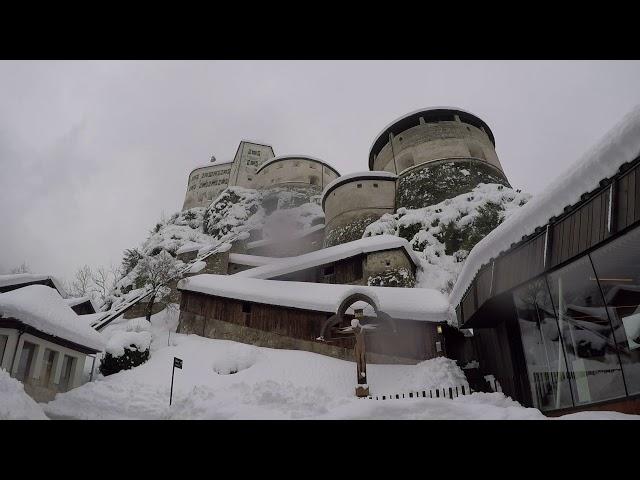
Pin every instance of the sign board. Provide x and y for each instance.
(177, 362)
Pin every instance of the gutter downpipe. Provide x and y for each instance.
(15, 352)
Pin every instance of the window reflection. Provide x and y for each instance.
(618, 268)
(587, 335)
(544, 354)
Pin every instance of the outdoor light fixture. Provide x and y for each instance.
(439, 328)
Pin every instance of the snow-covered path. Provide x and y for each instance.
(272, 384)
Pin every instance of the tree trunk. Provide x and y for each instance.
(150, 307)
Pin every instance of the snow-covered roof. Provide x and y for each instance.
(331, 254)
(401, 303)
(210, 165)
(251, 260)
(351, 177)
(43, 308)
(269, 241)
(20, 278)
(256, 142)
(619, 146)
(293, 157)
(400, 125)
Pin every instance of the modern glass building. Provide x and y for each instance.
(556, 317)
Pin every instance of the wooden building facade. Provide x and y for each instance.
(278, 326)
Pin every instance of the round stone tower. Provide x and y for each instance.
(295, 170)
(437, 153)
(353, 201)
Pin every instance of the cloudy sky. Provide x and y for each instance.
(93, 153)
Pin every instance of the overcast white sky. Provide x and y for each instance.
(92, 153)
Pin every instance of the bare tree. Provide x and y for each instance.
(82, 283)
(23, 268)
(103, 279)
(156, 271)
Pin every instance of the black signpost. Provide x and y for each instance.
(177, 363)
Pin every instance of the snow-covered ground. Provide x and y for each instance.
(15, 404)
(271, 384)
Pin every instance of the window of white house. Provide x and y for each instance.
(65, 374)
(49, 359)
(3, 346)
(26, 359)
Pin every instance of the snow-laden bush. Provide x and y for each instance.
(126, 349)
(443, 234)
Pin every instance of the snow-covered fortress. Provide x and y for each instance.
(420, 159)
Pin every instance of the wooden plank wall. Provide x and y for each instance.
(519, 265)
(628, 198)
(415, 339)
(349, 270)
(580, 230)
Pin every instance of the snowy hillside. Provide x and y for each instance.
(262, 214)
(443, 234)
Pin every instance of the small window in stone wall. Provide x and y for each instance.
(375, 185)
(359, 185)
(249, 178)
(388, 262)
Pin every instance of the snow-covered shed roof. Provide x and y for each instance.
(357, 176)
(251, 260)
(43, 308)
(301, 234)
(401, 303)
(293, 157)
(619, 146)
(328, 255)
(25, 278)
(412, 119)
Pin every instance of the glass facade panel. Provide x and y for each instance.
(618, 267)
(587, 335)
(542, 345)
(49, 358)
(65, 374)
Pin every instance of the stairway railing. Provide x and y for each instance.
(111, 315)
